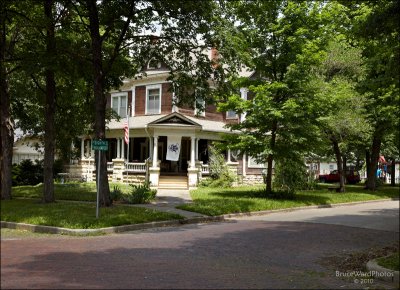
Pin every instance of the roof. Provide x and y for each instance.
(140, 122)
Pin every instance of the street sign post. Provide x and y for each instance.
(99, 145)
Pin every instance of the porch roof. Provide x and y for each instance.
(140, 122)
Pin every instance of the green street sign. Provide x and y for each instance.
(101, 145)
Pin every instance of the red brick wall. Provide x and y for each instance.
(166, 99)
(140, 100)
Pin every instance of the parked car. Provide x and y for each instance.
(352, 176)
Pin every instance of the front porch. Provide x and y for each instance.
(144, 158)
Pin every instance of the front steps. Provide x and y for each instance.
(173, 182)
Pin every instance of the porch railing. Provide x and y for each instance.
(110, 166)
(205, 169)
(135, 167)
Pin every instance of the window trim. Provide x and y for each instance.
(251, 163)
(119, 95)
(152, 87)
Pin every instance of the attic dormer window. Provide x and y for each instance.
(153, 64)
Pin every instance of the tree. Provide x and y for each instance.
(376, 29)
(344, 118)
(284, 39)
(50, 105)
(9, 37)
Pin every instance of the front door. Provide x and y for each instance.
(168, 167)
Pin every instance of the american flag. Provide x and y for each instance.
(126, 129)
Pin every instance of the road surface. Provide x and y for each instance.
(258, 254)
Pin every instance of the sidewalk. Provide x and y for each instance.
(168, 199)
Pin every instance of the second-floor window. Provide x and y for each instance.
(119, 103)
(200, 107)
(153, 99)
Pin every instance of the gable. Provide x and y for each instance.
(175, 119)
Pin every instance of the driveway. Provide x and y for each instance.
(251, 254)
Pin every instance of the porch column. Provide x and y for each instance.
(118, 149)
(91, 149)
(192, 152)
(122, 148)
(244, 163)
(155, 151)
(82, 148)
(150, 148)
(243, 95)
(197, 149)
(229, 156)
(88, 148)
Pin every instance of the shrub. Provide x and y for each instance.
(290, 175)
(140, 194)
(116, 193)
(220, 175)
(27, 173)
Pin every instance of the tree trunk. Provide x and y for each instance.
(393, 172)
(7, 125)
(373, 164)
(100, 100)
(50, 106)
(367, 162)
(339, 163)
(344, 164)
(270, 158)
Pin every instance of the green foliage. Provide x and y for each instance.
(139, 194)
(290, 176)
(31, 173)
(27, 173)
(116, 193)
(220, 175)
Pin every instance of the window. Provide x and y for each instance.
(231, 115)
(200, 107)
(252, 163)
(153, 64)
(119, 103)
(331, 167)
(153, 99)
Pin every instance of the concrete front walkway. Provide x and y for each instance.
(168, 199)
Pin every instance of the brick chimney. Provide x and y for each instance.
(214, 57)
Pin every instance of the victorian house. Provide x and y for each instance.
(167, 144)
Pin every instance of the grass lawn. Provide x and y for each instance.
(390, 262)
(217, 201)
(77, 215)
(83, 191)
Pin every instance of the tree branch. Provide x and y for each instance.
(37, 84)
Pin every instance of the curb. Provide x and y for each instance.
(382, 273)
(193, 220)
(265, 212)
(108, 230)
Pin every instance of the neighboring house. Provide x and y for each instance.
(26, 147)
(164, 140)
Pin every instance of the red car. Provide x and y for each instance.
(352, 176)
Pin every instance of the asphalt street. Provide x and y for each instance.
(240, 254)
(381, 215)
